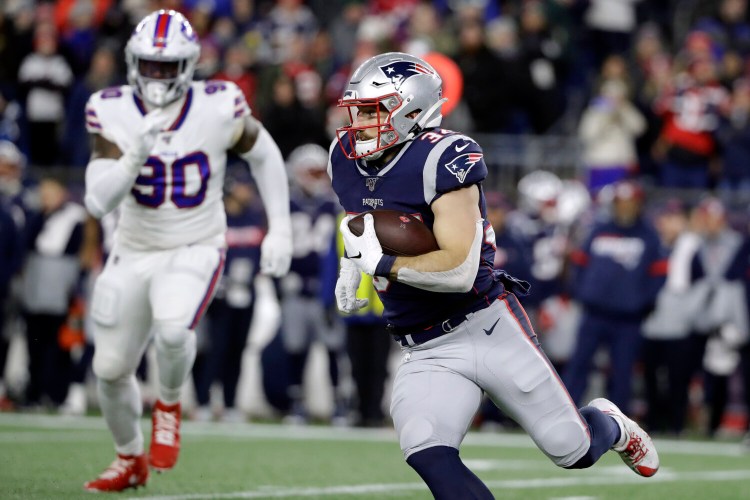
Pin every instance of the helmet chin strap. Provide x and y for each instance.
(426, 121)
(362, 147)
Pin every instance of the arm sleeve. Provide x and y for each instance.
(267, 166)
(107, 183)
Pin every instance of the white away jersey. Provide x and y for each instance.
(177, 198)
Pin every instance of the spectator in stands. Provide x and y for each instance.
(544, 49)
(288, 121)
(485, 80)
(101, 74)
(10, 116)
(45, 78)
(608, 130)
(624, 250)
(288, 18)
(729, 26)
(690, 109)
(651, 73)
(610, 24)
(53, 238)
(666, 330)
(224, 329)
(237, 68)
(78, 36)
(734, 137)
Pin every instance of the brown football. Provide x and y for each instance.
(399, 233)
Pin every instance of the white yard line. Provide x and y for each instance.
(513, 484)
(312, 433)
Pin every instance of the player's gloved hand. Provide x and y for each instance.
(346, 287)
(276, 252)
(154, 122)
(364, 250)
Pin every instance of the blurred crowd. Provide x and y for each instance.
(657, 94)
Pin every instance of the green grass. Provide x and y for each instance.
(48, 457)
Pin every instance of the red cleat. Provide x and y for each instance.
(127, 471)
(165, 436)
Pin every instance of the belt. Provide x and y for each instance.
(420, 336)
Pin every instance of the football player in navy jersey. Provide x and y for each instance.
(460, 325)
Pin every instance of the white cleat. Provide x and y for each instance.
(635, 446)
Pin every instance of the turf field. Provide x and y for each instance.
(49, 457)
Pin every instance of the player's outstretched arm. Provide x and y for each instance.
(111, 173)
(458, 229)
(256, 146)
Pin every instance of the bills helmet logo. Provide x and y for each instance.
(400, 71)
(461, 165)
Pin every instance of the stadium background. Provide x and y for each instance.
(520, 75)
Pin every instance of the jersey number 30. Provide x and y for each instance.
(185, 181)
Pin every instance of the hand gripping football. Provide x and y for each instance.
(399, 233)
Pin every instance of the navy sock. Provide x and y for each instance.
(447, 476)
(604, 434)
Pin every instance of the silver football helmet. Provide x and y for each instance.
(538, 192)
(308, 166)
(161, 56)
(405, 86)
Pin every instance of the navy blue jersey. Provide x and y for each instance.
(314, 221)
(436, 162)
(244, 235)
(619, 270)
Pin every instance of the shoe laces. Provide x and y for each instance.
(165, 427)
(117, 468)
(636, 449)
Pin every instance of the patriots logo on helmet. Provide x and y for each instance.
(400, 71)
(461, 165)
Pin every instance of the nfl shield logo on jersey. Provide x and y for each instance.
(461, 165)
(371, 182)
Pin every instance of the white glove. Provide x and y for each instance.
(364, 250)
(153, 123)
(346, 287)
(276, 253)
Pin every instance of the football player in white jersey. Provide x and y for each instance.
(159, 154)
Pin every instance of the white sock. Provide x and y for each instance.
(120, 401)
(175, 360)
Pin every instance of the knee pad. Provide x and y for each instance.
(417, 434)
(109, 366)
(564, 442)
(170, 337)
